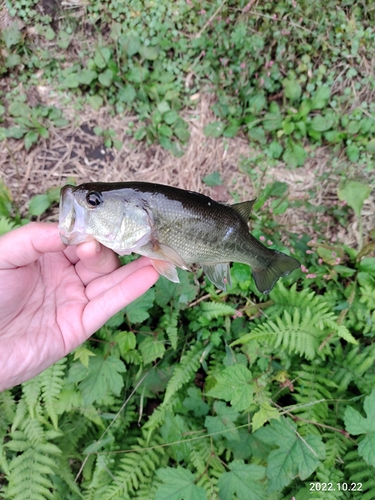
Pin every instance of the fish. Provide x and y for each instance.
(173, 227)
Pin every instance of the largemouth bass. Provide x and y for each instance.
(172, 227)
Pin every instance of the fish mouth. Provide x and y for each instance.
(72, 218)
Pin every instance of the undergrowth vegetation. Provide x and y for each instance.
(190, 392)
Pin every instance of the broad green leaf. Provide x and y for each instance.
(151, 348)
(321, 123)
(83, 354)
(72, 81)
(231, 130)
(96, 101)
(257, 134)
(370, 146)
(213, 179)
(182, 133)
(97, 445)
(102, 377)
(39, 204)
(87, 76)
(126, 341)
(138, 74)
(353, 152)
(244, 481)
(137, 311)
(294, 155)
(178, 484)
(356, 424)
(131, 43)
(19, 109)
(296, 456)
(165, 130)
(150, 52)
(214, 129)
(292, 89)
(320, 99)
(127, 94)
(11, 35)
(194, 402)
(106, 78)
(234, 384)
(13, 60)
(265, 413)
(366, 265)
(170, 117)
(175, 430)
(224, 423)
(102, 55)
(354, 193)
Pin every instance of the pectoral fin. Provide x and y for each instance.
(166, 269)
(218, 274)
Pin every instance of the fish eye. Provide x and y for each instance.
(93, 199)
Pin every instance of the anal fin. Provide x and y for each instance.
(218, 274)
(166, 269)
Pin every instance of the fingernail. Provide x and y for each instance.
(98, 246)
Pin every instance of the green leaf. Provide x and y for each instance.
(96, 101)
(165, 131)
(213, 179)
(87, 76)
(5, 200)
(244, 481)
(321, 123)
(19, 109)
(234, 384)
(127, 94)
(353, 152)
(370, 146)
(39, 204)
(30, 139)
(320, 99)
(276, 149)
(257, 134)
(97, 445)
(211, 310)
(106, 78)
(12, 35)
(131, 43)
(126, 341)
(354, 193)
(224, 423)
(356, 424)
(83, 354)
(178, 484)
(265, 413)
(102, 55)
(182, 133)
(13, 60)
(150, 52)
(170, 117)
(366, 265)
(214, 129)
(137, 74)
(231, 130)
(296, 456)
(102, 377)
(294, 155)
(292, 89)
(151, 348)
(72, 81)
(137, 311)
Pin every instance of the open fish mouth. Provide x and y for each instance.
(72, 219)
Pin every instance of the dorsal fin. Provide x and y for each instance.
(244, 209)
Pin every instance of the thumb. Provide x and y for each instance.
(26, 244)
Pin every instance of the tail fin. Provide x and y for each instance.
(266, 277)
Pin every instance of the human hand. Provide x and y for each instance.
(53, 297)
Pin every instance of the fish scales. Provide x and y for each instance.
(173, 227)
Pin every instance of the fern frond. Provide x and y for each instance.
(30, 471)
(313, 384)
(52, 381)
(20, 414)
(169, 322)
(184, 371)
(293, 333)
(7, 411)
(31, 392)
(135, 468)
(353, 364)
(358, 471)
(288, 299)
(212, 310)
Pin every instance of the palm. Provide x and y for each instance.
(51, 305)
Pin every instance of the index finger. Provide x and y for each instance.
(26, 244)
